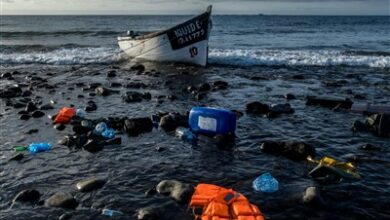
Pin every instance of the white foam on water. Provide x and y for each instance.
(239, 57)
(235, 57)
(65, 56)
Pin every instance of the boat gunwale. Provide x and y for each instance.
(159, 33)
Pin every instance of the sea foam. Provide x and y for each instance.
(232, 57)
(241, 57)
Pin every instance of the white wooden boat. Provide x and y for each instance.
(184, 43)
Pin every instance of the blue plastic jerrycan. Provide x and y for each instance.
(212, 121)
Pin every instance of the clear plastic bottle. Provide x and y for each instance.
(38, 147)
(80, 113)
(185, 134)
(111, 213)
(108, 133)
(100, 128)
(266, 183)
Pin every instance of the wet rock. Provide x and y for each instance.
(298, 76)
(289, 96)
(26, 93)
(379, 124)
(11, 92)
(65, 217)
(32, 131)
(329, 102)
(136, 85)
(66, 141)
(149, 213)
(91, 106)
(46, 107)
(359, 126)
(138, 67)
(147, 96)
(160, 149)
(111, 73)
(18, 105)
(94, 85)
(79, 129)
(171, 97)
(24, 117)
(151, 191)
(104, 91)
(90, 184)
(27, 196)
(312, 197)
(204, 87)
(23, 112)
(220, 85)
(113, 141)
(52, 117)
(200, 96)
(132, 97)
(115, 84)
(294, 150)
(6, 75)
(136, 126)
(61, 199)
(173, 120)
(31, 107)
(92, 146)
(37, 114)
(191, 89)
(370, 147)
(181, 192)
(257, 108)
(281, 109)
(59, 127)
(16, 157)
(359, 96)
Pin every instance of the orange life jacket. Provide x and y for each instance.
(219, 203)
(65, 115)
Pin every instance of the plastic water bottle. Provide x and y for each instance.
(111, 213)
(80, 113)
(38, 147)
(100, 128)
(266, 183)
(108, 133)
(185, 134)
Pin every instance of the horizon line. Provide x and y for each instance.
(259, 14)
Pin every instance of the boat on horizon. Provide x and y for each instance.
(184, 43)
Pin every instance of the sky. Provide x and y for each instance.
(279, 7)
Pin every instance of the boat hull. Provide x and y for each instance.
(185, 43)
(160, 50)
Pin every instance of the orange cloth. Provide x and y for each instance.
(219, 203)
(65, 115)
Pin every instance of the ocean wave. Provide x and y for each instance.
(6, 49)
(9, 34)
(65, 56)
(241, 57)
(76, 54)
